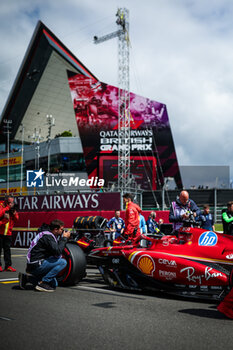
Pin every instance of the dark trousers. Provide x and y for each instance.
(5, 245)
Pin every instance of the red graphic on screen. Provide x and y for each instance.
(96, 111)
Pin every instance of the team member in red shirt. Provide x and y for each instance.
(131, 216)
(8, 216)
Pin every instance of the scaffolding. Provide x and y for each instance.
(124, 178)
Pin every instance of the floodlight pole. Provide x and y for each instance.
(36, 137)
(51, 123)
(7, 132)
(22, 152)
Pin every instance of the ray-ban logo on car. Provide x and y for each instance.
(208, 238)
(35, 178)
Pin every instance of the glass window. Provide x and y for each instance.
(72, 162)
(60, 163)
(3, 173)
(14, 173)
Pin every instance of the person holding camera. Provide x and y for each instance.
(44, 257)
(181, 210)
(8, 217)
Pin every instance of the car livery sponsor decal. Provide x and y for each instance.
(204, 288)
(192, 286)
(169, 275)
(192, 277)
(146, 264)
(208, 238)
(229, 256)
(216, 287)
(185, 229)
(111, 251)
(166, 262)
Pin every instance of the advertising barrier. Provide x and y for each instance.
(28, 224)
(69, 202)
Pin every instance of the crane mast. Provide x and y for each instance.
(124, 115)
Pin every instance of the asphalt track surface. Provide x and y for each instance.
(92, 316)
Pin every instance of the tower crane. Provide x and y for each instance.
(124, 116)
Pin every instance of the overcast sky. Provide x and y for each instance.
(181, 54)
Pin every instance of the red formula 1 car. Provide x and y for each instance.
(198, 263)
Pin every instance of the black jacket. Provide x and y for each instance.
(47, 247)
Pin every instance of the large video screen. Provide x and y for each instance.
(96, 111)
(143, 170)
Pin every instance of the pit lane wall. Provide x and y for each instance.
(35, 210)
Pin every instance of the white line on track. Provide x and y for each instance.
(8, 279)
(5, 318)
(21, 249)
(102, 290)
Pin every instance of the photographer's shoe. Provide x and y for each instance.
(23, 279)
(44, 287)
(10, 268)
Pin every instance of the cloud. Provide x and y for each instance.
(181, 55)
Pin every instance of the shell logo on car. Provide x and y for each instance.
(146, 264)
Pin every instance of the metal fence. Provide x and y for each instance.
(216, 198)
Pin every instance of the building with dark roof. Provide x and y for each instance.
(42, 88)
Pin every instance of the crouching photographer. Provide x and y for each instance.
(44, 257)
(8, 217)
